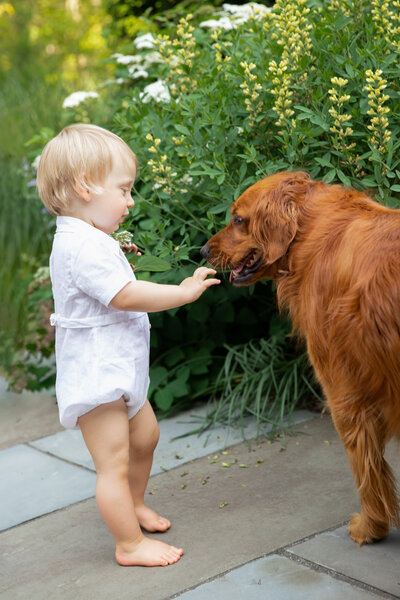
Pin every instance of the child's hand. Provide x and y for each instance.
(196, 285)
(126, 248)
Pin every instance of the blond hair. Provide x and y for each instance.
(82, 156)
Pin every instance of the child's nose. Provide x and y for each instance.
(131, 202)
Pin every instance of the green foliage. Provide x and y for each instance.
(25, 238)
(131, 17)
(286, 91)
(311, 85)
(47, 50)
(225, 125)
(265, 379)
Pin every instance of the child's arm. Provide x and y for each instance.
(144, 296)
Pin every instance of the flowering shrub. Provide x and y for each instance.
(224, 101)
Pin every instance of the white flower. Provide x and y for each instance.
(144, 41)
(186, 179)
(124, 238)
(127, 59)
(35, 163)
(77, 97)
(155, 91)
(138, 64)
(41, 274)
(245, 11)
(224, 23)
(136, 72)
(150, 58)
(240, 14)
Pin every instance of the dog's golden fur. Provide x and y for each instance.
(335, 257)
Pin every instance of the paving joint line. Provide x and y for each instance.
(366, 587)
(285, 553)
(87, 469)
(69, 462)
(53, 512)
(290, 553)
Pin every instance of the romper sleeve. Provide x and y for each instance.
(100, 270)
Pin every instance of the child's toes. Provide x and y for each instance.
(174, 554)
(163, 524)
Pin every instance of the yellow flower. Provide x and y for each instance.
(290, 19)
(337, 99)
(339, 6)
(379, 124)
(387, 21)
(178, 55)
(250, 88)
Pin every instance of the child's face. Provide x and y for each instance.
(108, 208)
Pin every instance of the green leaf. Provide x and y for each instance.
(150, 263)
(368, 182)
(330, 176)
(174, 356)
(304, 109)
(324, 162)
(343, 178)
(216, 210)
(182, 129)
(317, 120)
(178, 388)
(183, 373)
(164, 398)
(157, 375)
(221, 178)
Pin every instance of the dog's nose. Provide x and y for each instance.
(205, 251)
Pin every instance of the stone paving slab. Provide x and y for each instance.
(25, 417)
(34, 484)
(377, 565)
(276, 578)
(294, 493)
(170, 452)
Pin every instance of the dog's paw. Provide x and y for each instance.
(363, 531)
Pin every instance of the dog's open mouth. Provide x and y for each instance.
(246, 267)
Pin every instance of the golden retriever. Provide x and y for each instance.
(335, 257)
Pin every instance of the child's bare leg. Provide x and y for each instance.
(106, 433)
(143, 437)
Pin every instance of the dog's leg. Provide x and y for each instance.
(364, 436)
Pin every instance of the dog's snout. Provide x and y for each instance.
(205, 251)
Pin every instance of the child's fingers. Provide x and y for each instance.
(203, 272)
(135, 249)
(209, 282)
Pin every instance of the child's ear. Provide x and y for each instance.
(82, 188)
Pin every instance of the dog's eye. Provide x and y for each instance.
(237, 220)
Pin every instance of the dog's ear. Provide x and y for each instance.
(275, 220)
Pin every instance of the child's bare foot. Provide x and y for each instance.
(149, 553)
(150, 520)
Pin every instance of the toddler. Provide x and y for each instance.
(85, 177)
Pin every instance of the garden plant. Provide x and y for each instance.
(212, 103)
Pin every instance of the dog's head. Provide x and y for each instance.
(261, 229)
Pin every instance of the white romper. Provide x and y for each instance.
(102, 353)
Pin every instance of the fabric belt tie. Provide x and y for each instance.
(95, 321)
